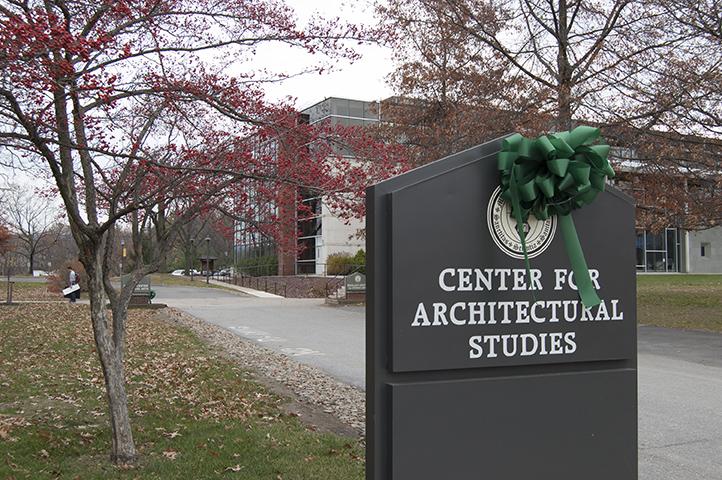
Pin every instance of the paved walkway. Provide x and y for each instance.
(680, 372)
(329, 338)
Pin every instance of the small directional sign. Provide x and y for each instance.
(356, 282)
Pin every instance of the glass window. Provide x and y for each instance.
(309, 228)
(308, 249)
(656, 262)
(640, 249)
(672, 250)
(655, 241)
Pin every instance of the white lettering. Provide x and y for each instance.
(571, 345)
(452, 313)
(464, 279)
(503, 274)
(506, 306)
(483, 277)
(556, 345)
(602, 313)
(525, 349)
(421, 318)
(476, 310)
(508, 351)
(493, 340)
(442, 284)
(616, 315)
(534, 316)
(560, 277)
(522, 312)
(440, 314)
(475, 344)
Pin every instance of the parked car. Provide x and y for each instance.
(181, 272)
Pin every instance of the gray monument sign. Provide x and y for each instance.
(478, 368)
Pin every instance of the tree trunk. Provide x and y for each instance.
(564, 105)
(564, 80)
(31, 261)
(111, 360)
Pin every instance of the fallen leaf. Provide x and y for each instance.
(170, 454)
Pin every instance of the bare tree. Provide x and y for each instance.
(34, 222)
(452, 91)
(647, 71)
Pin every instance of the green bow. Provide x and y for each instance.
(553, 175)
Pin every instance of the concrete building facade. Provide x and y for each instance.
(323, 234)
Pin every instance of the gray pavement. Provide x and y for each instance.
(680, 372)
(680, 404)
(329, 338)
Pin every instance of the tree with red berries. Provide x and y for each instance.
(130, 107)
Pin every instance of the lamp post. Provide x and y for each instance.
(193, 250)
(122, 261)
(208, 260)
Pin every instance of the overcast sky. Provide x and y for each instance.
(362, 80)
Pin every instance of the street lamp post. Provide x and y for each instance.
(122, 260)
(193, 250)
(208, 259)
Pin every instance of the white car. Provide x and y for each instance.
(182, 272)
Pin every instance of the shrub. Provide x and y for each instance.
(343, 263)
(359, 261)
(259, 266)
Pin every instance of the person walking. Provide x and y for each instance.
(73, 279)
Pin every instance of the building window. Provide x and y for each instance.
(705, 250)
(658, 252)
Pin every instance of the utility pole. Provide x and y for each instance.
(193, 251)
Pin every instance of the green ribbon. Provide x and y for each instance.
(553, 175)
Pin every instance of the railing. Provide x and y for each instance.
(257, 283)
(244, 278)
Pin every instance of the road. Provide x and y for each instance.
(329, 338)
(680, 372)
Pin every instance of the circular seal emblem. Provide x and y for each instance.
(502, 226)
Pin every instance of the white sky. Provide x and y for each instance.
(362, 80)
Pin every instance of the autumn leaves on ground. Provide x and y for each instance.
(195, 415)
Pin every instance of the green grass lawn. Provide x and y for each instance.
(680, 301)
(194, 414)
